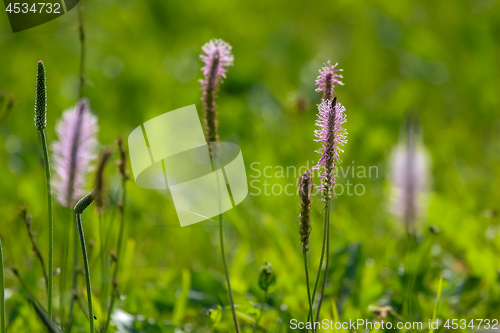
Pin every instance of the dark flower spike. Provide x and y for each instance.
(332, 136)
(122, 163)
(305, 192)
(84, 202)
(99, 179)
(41, 98)
(327, 79)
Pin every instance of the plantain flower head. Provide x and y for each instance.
(216, 58)
(74, 151)
(332, 135)
(410, 178)
(305, 193)
(328, 77)
(41, 98)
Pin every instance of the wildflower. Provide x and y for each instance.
(409, 173)
(217, 58)
(332, 136)
(40, 124)
(77, 131)
(327, 78)
(305, 192)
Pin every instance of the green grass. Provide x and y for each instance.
(438, 59)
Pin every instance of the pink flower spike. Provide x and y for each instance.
(217, 57)
(332, 135)
(74, 151)
(327, 79)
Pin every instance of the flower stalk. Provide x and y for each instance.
(40, 124)
(305, 193)
(217, 56)
(2, 292)
(72, 153)
(332, 135)
(123, 169)
(79, 209)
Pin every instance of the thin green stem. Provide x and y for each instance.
(213, 156)
(103, 258)
(87, 271)
(226, 271)
(327, 250)
(51, 230)
(74, 284)
(2, 291)
(115, 292)
(318, 276)
(261, 312)
(308, 287)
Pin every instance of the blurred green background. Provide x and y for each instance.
(440, 60)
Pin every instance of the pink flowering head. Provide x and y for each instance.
(74, 151)
(217, 57)
(328, 77)
(332, 136)
(410, 178)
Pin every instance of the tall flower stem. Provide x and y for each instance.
(216, 58)
(226, 271)
(327, 252)
(308, 287)
(87, 271)
(74, 283)
(104, 263)
(115, 292)
(51, 230)
(79, 209)
(323, 248)
(2, 292)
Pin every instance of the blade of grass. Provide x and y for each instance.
(44, 317)
(438, 300)
(2, 291)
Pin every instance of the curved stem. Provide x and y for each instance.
(327, 224)
(227, 272)
(2, 292)
(308, 287)
(87, 271)
(261, 312)
(51, 230)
